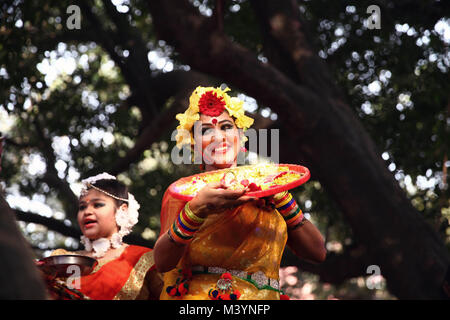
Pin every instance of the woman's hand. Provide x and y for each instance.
(215, 197)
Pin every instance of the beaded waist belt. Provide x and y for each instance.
(258, 279)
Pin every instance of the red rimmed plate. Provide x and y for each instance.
(269, 179)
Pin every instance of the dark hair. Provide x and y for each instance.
(113, 187)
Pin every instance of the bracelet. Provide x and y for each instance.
(192, 215)
(279, 196)
(184, 227)
(282, 199)
(288, 208)
(177, 237)
(172, 239)
(299, 224)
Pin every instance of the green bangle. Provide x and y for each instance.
(292, 215)
(178, 232)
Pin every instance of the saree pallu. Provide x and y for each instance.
(245, 241)
(130, 276)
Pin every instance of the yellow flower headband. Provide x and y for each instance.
(210, 101)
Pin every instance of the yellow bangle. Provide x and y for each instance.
(192, 215)
(279, 196)
(289, 198)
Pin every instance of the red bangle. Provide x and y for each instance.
(298, 224)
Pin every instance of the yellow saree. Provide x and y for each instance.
(247, 242)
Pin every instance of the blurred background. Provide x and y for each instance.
(94, 86)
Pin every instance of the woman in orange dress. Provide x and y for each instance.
(224, 244)
(107, 212)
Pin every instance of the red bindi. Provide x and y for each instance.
(214, 121)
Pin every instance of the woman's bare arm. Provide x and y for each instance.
(167, 253)
(307, 242)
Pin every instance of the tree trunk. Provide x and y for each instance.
(19, 278)
(329, 139)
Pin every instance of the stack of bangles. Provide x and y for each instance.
(184, 227)
(289, 209)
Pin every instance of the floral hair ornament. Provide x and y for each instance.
(125, 218)
(212, 102)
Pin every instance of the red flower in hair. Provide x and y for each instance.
(211, 105)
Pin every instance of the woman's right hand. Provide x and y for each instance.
(215, 197)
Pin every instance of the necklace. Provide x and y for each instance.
(102, 245)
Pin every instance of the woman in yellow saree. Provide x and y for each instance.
(223, 244)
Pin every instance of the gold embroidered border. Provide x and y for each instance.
(133, 286)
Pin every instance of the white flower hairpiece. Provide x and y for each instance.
(92, 180)
(101, 176)
(127, 218)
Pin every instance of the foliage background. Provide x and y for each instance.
(71, 105)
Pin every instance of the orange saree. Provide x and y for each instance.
(246, 242)
(130, 276)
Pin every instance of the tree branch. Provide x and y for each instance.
(218, 14)
(324, 131)
(212, 52)
(177, 85)
(70, 231)
(50, 223)
(338, 267)
(286, 43)
(51, 175)
(15, 144)
(132, 67)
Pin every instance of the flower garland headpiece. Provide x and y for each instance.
(125, 218)
(212, 102)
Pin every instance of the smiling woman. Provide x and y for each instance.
(217, 140)
(224, 244)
